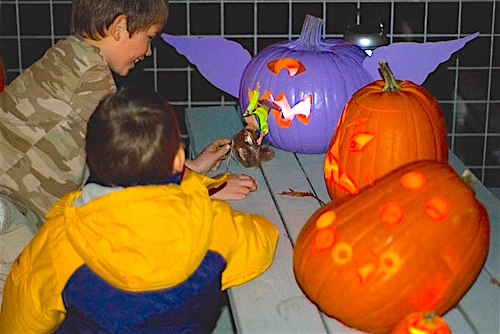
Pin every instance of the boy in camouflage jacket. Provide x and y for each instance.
(44, 111)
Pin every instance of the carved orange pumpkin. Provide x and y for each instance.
(422, 323)
(414, 241)
(385, 125)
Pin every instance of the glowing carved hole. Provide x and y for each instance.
(293, 66)
(331, 168)
(341, 253)
(436, 208)
(413, 181)
(325, 220)
(391, 213)
(324, 239)
(366, 266)
(347, 183)
(390, 262)
(412, 325)
(359, 141)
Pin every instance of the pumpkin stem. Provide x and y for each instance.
(429, 316)
(391, 84)
(468, 178)
(310, 35)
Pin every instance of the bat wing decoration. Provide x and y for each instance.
(222, 61)
(414, 61)
(219, 60)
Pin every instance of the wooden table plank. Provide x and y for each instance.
(284, 172)
(272, 302)
(481, 305)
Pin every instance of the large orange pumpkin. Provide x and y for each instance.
(385, 124)
(414, 241)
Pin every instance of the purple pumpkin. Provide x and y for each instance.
(315, 77)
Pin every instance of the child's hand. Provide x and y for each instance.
(236, 187)
(211, 156)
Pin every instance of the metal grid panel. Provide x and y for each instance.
(467, 86)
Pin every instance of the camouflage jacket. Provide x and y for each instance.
(43, 120)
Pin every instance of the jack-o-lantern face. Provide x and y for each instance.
(279, 105)
(380, 131)
(310, 80)
(395, 248)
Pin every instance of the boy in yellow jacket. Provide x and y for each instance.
(142, 247)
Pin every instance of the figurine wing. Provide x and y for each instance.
(219, 60)
(413, 61)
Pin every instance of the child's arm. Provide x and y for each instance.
(211, 156)
(32, 297)
(26, 297)
(237, 186)
(247, 242)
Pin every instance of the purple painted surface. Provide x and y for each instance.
(222, 61)
(333, 72)
(219, 60)
(414, 61)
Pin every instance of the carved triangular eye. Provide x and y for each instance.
(359, 141)
(293, 66)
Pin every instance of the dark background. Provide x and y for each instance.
(467, 86)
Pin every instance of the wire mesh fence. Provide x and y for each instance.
(467, 86)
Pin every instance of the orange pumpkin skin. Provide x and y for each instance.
(422, 323)
(414, 241)
(381, 130)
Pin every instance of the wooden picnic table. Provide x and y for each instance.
(273, 302)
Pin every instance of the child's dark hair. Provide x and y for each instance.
(132, 139)
(91, 18)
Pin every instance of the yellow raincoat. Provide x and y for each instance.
(136, 241)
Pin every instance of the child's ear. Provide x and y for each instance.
(179, 160)
(118, 27)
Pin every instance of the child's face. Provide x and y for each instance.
(131, 49)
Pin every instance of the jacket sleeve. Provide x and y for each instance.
(32, 301)
(247, 242)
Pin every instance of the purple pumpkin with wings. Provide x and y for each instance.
(306, 81)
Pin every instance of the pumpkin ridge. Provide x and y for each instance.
(380, 311)
(310, 34)
(431, 111)
(372, 109)
(407, 290)
(412, 123)
(470, 258)
(346, 218)
(326, 278)
(403, 253)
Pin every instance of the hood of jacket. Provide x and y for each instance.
(141, 238)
